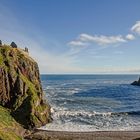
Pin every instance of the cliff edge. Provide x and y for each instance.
(20, 88)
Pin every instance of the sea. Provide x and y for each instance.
(92, 102)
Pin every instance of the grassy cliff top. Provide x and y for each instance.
(8, 53)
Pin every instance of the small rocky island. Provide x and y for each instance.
(22, 105)
(136, 83)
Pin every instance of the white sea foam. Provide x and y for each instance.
(64, 112)
(107, 121)
(86, 128)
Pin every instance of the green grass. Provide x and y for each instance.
(9, 136)
(8, 125)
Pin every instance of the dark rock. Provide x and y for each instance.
(14, 45)
(136, 83)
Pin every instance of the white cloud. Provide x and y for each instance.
(136, 28)
(84, 39)
(102, 40)
(77, 46)
(51, 63)
(130, 37)
(76, 43)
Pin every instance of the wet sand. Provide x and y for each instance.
(99, 135)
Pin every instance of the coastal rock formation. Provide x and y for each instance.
(20, 88)
(136, 83)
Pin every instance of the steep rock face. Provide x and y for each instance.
(20, 88)
(136, 83)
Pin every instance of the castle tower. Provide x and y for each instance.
(13, 45)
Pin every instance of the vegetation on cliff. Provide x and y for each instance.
(9, 128)
(20, 88)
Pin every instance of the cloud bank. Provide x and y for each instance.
(101, 40)
(83, 39)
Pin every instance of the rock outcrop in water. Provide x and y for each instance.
(136, 83)
(20, 90)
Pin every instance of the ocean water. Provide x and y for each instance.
(92, 102)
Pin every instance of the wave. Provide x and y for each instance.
(59, 112)
(80, 120)
(127, 113)
(134, 113)
(70, 127)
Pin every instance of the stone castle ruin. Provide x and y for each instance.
(14, 45)
(0, 43)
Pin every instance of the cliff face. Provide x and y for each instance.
(20, 88)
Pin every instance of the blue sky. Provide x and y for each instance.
(75, 36)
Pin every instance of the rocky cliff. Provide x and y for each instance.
(20, 88)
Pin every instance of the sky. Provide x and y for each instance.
(75, 36)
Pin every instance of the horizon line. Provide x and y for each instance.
(89, 74)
